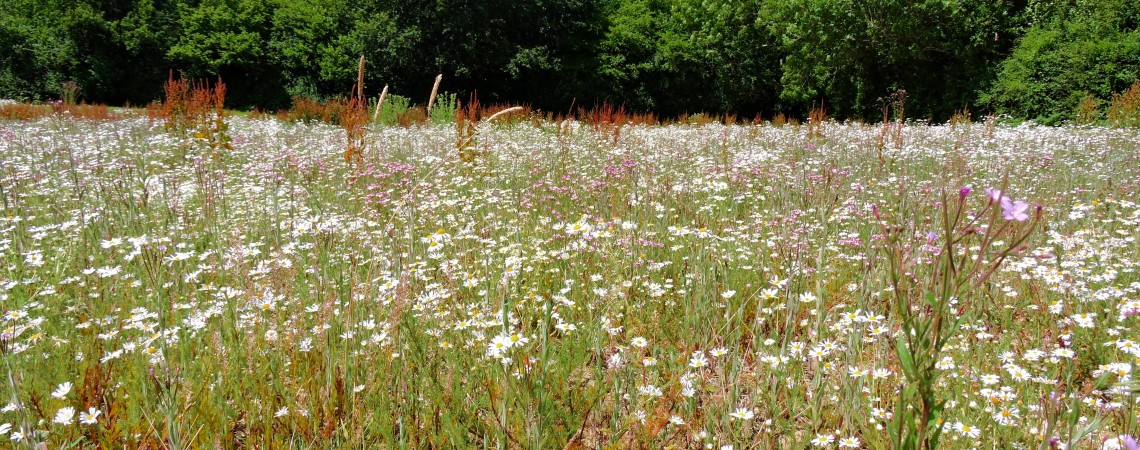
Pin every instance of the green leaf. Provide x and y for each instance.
(905, 359)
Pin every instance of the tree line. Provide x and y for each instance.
(1026, 58)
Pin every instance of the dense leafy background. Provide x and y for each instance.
(1034, 59)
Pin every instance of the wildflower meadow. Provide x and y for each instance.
(530, 283)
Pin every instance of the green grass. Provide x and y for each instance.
(275, 296)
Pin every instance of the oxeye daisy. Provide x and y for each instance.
(64, 416)
(518, 339)
(1007, 415)
(743, 414)
(498, 346)
(698, 360)
(90, 417)
(822, 440)
(967, 430)
(61, 390)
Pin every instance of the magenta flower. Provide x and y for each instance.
(1012, 210)
(962, 193)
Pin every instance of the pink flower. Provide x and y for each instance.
(1123, 441)
(1012, 210)
(995, 195)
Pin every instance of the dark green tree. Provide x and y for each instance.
(226, 38)
(36, 54)
(717, 56)
(848, 53)
(540, 53)
(627, 55)
(145, 33)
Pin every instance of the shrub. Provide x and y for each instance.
(29, 111)
(444, 108)
(1124, 111)
(306, 110)
(1088, 110)
(1092, 50)
(393, 108)
(194, 108)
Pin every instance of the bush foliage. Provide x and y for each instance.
(1032, 59)
(1068, 54)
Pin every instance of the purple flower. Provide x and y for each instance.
(995, 195)
(1012, 210)
(962, 193)
(930, 237)
(1129, 442)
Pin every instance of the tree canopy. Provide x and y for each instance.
(1028, 58)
